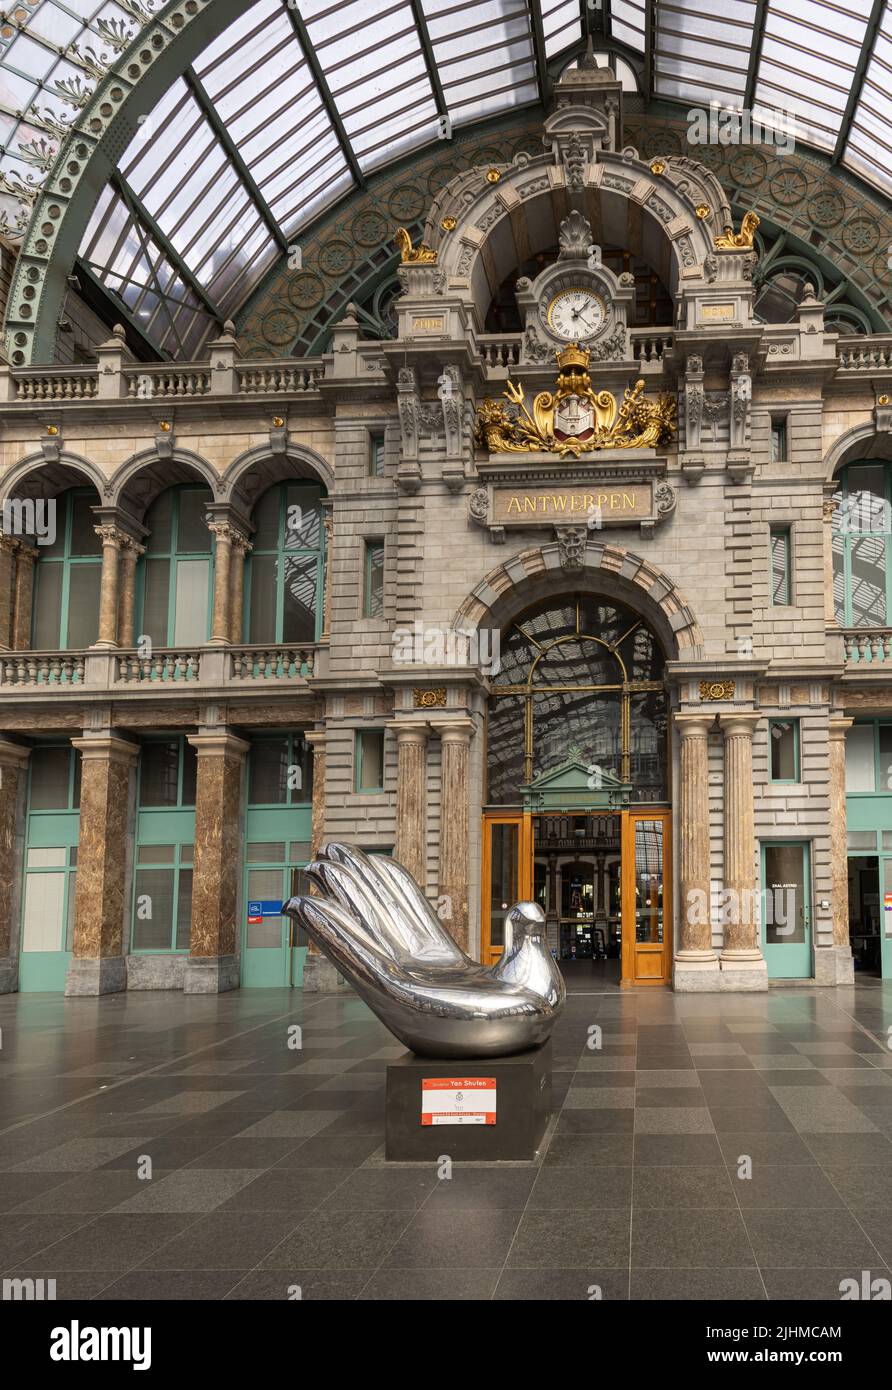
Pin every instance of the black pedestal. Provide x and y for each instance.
(516, 1091)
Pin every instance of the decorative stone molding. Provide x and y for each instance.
(717, 690)
(429, 699)
(571, 545)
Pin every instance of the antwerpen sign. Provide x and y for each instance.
(622, 505)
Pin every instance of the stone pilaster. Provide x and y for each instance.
(328, 523)
(836, 966)
(220, 623)
(13, 762)
(742, 963)
(213, 964)
(696, 963)
(98, 964)
(127, 596)
(455, 736)
(24, 596)
(411, 807)
(113, 542)
(829, 511)
(8, 547)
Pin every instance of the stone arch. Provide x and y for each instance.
(609, 569)
(48, 474)
(863, 442)
(250, 475)
(136, 484)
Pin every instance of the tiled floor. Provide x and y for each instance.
(267, 1170)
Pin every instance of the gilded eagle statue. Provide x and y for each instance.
(374, 924)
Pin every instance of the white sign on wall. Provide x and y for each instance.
(465, 1100)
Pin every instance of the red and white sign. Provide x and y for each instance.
(459, 1100)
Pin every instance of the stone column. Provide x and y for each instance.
(696, 963)
(8, 548)
(410, 849)
(240, 548)
(213, 964)
(455, 736)
(742, 963)
(113, 542)
(830, 506)
(24, 596)
(98, 964)
(836, 966)
(320, 976)
(13, 762)
(328, 523)
(220, 624)
(127, 597)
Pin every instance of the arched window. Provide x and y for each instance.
(65, 614)
(862, 545)
(578, 672)
(177, 569)
(285, 568)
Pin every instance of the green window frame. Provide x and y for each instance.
(175, 556)
(57, 566)
(362, 761)
(286, 549)
(777, 730)
(165, 849)
(376, 454)
(373, 580)
(862, 545)
(298, 753)
(781, 554)
(881, 760)
(54, 828)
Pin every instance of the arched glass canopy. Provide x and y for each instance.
(291, 105)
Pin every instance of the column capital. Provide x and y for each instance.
(110, 534)
(691, 725)
(219, 745)
(109, 747)
(414, 731)
(743, 723)
(454, 730)
(838, 726)
(316, 739)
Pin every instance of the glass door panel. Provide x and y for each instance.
(786, 910)
(507, 876)
(646, 876)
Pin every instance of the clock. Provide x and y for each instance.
(576, 313)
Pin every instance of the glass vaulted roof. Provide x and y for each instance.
(296, 103)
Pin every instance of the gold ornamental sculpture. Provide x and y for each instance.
(574, 418)
(413, 255)
(738, 241)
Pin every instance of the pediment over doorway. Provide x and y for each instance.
(576, 785)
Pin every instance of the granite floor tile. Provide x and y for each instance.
(691, 1238)
(697, 1285)
(307, 1285)
(553, 1284)
(113, 1241)
(470, 1189)
(224, 1240)
(572, 1239)
(189, 1190)
(332, 1239)
(684, 1185)
(597, 1185)
(431, 1285)
(808, 1238)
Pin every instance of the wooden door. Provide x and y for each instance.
(646, 898)
(507, 875)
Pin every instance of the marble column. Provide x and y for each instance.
(8, 548)
(98, 964)
(742, 963)
(213, 964)
(410, 848)
(455, 737)
(328, 523)
(113, 542)
(240, 548)
(220, 623)
(320, 976)
(696, 963)
(127, 597)
(13, 764)
(835, 965)
(24, 596)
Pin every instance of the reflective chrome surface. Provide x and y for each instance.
(376, 926)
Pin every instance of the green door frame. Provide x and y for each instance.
(870, 813)
(45, 971)
(791, 960)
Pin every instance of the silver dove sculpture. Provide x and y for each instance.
(371, 920)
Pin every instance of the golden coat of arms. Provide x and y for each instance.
(574, 418)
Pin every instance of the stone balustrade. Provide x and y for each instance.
(864, 647)
(165, 383)
(212, 667)
(865, 354)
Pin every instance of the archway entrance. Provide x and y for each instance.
(578, 808)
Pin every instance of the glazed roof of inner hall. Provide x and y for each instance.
(200, 141)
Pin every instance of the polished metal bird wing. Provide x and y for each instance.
(374, 924)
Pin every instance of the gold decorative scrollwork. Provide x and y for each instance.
(574, 418)
(429, 699)
(738, 241)
(413, 255)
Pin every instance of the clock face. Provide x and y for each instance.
(576, 314)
